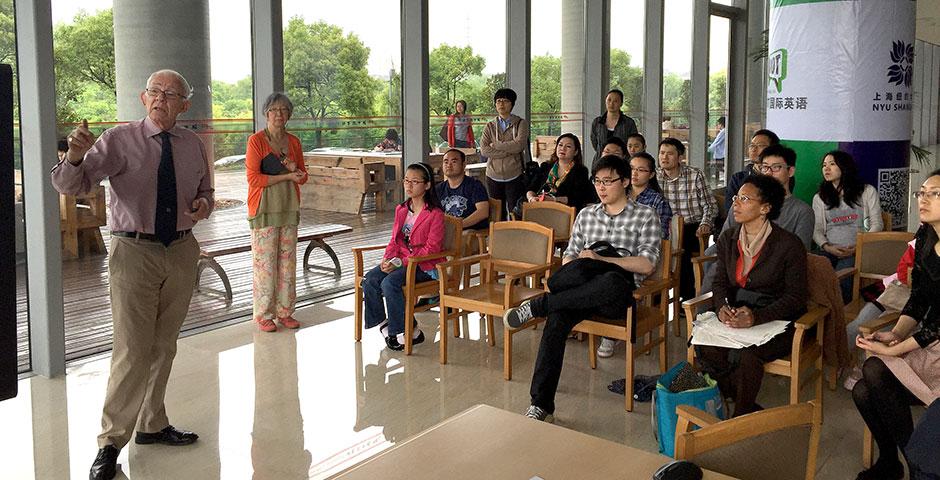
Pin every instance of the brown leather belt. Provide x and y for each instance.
(149, 236)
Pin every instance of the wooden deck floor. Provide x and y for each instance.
(88, 326)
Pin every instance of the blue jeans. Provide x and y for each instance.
(378, 284)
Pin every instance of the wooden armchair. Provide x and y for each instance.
(774, 444)
(475, 240)
(453, 230)
(876, 256)
(81, 218)
(557, 216)
(805, 354)
(676, 229)
(519, 250)
(648, 315)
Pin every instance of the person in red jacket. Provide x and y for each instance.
(274, 164)
(460, 127)
(418, 231)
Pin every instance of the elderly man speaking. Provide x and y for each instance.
(160, 188)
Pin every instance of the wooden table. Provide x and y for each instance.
(486, 442)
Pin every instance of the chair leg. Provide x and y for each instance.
(832, 377)
(409, 316)
(357, 316)
(455, 317)
(507, 354)
(490, 331)
(628, 379)
(592, 351)
(663, 348)
(868, 448)
(675, 313)
(819, 385)
(443, 327)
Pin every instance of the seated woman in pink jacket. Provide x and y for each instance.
(418, 230)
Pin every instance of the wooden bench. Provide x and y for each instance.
(316, 235)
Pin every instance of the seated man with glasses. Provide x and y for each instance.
(614, 246)
(762, 139)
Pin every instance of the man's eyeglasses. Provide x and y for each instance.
(932, 195)
(758, 145)
(742, 199)
(168, 94)
(773, 168)
(641, 170)
(606, 181)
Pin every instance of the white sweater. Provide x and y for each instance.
(839, 225)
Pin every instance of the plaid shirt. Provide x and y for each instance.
(633, 232)
(689, 195)
(656, 201)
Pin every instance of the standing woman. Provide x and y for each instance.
(843, 207)
(645, 190)
(563, 179)
(460, 127)
(906, 368)
(275, 167)
(611, 123)
(418, 231)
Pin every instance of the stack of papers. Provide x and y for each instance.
(708, 330)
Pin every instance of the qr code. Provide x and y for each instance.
(892, 189)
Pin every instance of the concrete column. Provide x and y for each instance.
(35, 68)
(738, 76)
(653, 76)
(414, 80)
(267, 54)
(518, 54)
(698, 115)
(596, 68)
(756, 83)
(179, 40)
(572, 66)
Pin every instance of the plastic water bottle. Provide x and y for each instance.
(396, 262)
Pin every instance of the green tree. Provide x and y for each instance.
(7, 33)
(717, 95)
(677, 93)
(325, 73)
(546, 93)
(84, 58)
(449, 68)
(628, 79)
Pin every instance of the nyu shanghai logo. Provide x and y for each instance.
(777, 68)
(901, 71)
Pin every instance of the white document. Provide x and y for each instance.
(708, 330)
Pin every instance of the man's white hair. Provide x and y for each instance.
(187, 90)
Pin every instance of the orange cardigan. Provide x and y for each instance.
(259, 148)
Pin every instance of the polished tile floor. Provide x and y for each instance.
(309, 403)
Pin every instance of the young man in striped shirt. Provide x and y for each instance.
(622, 239)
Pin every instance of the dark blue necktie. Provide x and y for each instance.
(165, 221)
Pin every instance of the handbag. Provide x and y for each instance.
(895, 296)
(664, 418)
(271, 165)
(443, 132)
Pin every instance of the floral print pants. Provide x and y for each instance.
(274, 264)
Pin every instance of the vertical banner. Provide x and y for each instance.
(840, 76)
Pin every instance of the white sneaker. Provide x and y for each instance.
(537, 413)
(606, 348)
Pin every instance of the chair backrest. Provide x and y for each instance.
(496, 210)
(877, 253)
(778, 443)
(887, 220)
(453, 243)
(518, 241)
(554, 215)
(665, 261)
(676, 230)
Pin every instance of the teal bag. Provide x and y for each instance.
(665, 402)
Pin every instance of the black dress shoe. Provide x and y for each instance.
(167, 436)
(105, 466)
(392, 341)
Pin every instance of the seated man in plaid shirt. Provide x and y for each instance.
(614, 245)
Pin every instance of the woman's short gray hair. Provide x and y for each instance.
(278, 97)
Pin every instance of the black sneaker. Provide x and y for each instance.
(538, 413)
(516, 317)
(397, 342)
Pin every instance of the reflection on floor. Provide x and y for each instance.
(309, 403)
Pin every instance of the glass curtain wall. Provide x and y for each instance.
(557, 78)
(466, 63)
(626, 54)
(718, 51)
(677, 67)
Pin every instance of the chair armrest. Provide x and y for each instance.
(811, 318)
(430, 256)
(464, 260)
(528, 271)
(704, 259)
(879, 323)
(846, 273)
(357, 256)
(702, 300)
(696, 416)
(650, 287)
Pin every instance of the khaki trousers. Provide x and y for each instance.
(151, 286)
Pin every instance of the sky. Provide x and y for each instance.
(481, 25)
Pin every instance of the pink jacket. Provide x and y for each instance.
(427, 236)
